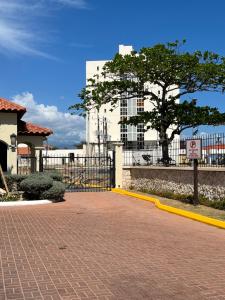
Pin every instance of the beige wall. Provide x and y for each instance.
(32, 141)
(8, 126)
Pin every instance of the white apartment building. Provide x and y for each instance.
(105, 122)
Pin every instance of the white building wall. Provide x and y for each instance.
(62, 156)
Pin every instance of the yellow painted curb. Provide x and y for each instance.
(177, 211)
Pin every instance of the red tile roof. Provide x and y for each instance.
(6, 105)
(23, 151)
(214, 147)
(25, 128)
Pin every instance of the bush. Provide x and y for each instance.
(56, 192)
(35, 184)
(217, 204)
(6, 198)
(56, 176)
(13, 181)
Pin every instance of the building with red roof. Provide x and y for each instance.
(15, 131)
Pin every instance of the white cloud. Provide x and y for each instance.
(17, 18)
(68, 129)
(72, 3)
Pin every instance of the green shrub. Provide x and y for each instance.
(217, 204)
(6, 198)
(56, 192)
(14, 180)
(35, 184)
(56, 176)
(170, 195)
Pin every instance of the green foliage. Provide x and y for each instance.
(56, 192)
(14, 180)
(54, 175)
(45, 185)
(6, 198)
(175, 75)
(217, 204)
(35, 184)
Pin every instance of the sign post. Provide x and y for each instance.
(194, 152)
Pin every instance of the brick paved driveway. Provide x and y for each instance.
(107, 246)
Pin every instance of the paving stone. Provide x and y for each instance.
(107, 246)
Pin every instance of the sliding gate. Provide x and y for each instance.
(83, 173)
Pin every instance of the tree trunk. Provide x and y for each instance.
(165, 153)
(165, 148)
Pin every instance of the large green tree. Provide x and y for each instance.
(163, 75)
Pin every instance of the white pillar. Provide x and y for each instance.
(37, 155)
(118, 148)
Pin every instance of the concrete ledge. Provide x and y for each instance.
(177, 211)
(22, 203)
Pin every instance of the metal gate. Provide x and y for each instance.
(83, 173)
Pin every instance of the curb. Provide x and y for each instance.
(170, 209)
(23, 203)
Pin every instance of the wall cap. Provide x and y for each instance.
(209, 169)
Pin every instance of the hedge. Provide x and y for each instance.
(35, 184)
(56, 192)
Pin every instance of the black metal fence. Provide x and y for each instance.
(79, 173)
(26, 164)
(149, 153)
(82, 173)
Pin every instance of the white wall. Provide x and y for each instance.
(61, 156)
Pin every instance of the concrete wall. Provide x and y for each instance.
(209, 176)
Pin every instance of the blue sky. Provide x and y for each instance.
(44, 45)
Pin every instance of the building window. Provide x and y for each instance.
(123, 111)
(140, 102)
(123, 128)
(140, 128)
(140, 110)
(140, 141)
(123, 103)
(123, 137)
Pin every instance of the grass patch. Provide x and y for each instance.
(184, 202)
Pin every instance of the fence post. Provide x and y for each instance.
(118, 148)
(40, 161)
(33, 161)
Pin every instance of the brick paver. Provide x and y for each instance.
(108, 246)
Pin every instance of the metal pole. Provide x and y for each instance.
(103, 135)
(88, 134)
(99, 146)
(106, 136)
(196, 198)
